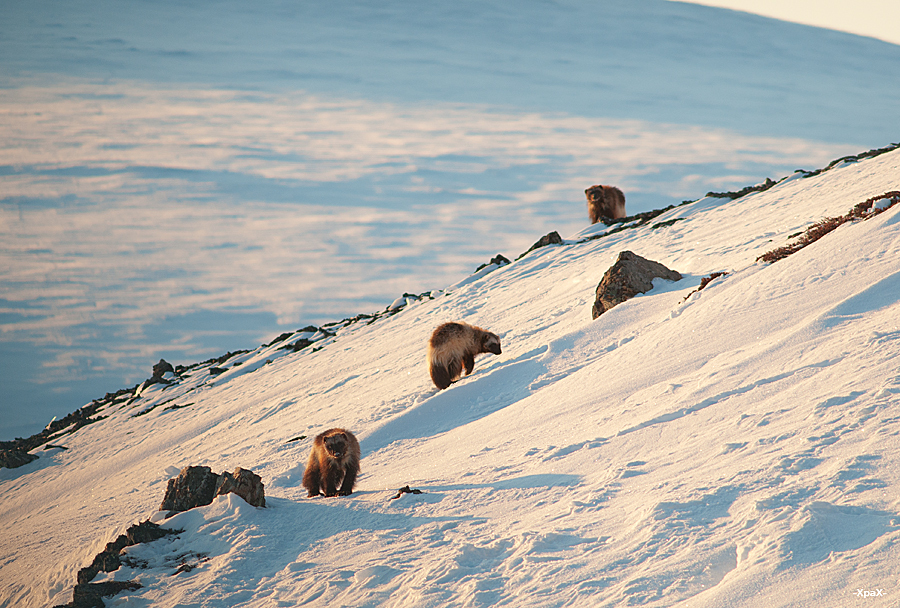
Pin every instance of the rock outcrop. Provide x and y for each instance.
(498, 260)
(246, 484)
(15, 453)
(551, 238)
(194, 487)
(629, 276)
(15, 458)
(198, 486)
(159, 374)
(160, 369)
(89, 595)
(108, 560)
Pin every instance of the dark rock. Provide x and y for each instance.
(198, 486)
(159, 371)
(184, 567)
(87, 594)
(215, 371)
(744, 191)
(280, 338)
(498, 260)
(246, 484)
(15, 458)
(161, 368)
(90, 595)
(297, 346)
(222, 359)
(552, 238)
(146, 532)
(57, 428)
(109, 559)
(406, 490)
(666, 223)
(106, 561)
(194, 487)
(629, 276)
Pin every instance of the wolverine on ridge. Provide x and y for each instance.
(453, 346)
(605, 203)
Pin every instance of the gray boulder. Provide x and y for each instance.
(161, 368)
(246, 484)
(15, 458)
(198, 486)
(90, 595)
(194, 487)
(629, 276)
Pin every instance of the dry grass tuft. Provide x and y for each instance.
(704, 282)
(860, 211)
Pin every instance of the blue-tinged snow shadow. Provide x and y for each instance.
(472, 398)
(533, 482)
(881, 294)
(835, 529)
(282, 533)
(47, 457)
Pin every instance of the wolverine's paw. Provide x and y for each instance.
(345, 492)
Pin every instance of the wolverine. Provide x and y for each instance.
(605, 202)
(334, 460)
(454, 346)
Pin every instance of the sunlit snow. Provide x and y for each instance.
(696, 448)
(183, 180)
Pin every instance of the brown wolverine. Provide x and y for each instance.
(605, 202)
(454, 345)
(334, 460)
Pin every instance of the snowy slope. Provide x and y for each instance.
(178, 179)
(733, 447)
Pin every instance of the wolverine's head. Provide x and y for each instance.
(336, 445)
(490, 344)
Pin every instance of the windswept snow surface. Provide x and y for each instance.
(733, 447)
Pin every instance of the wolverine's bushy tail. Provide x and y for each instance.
(441, 376)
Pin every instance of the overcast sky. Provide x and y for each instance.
(875, 18)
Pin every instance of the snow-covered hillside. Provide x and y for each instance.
(735, 446)
(182, 178)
